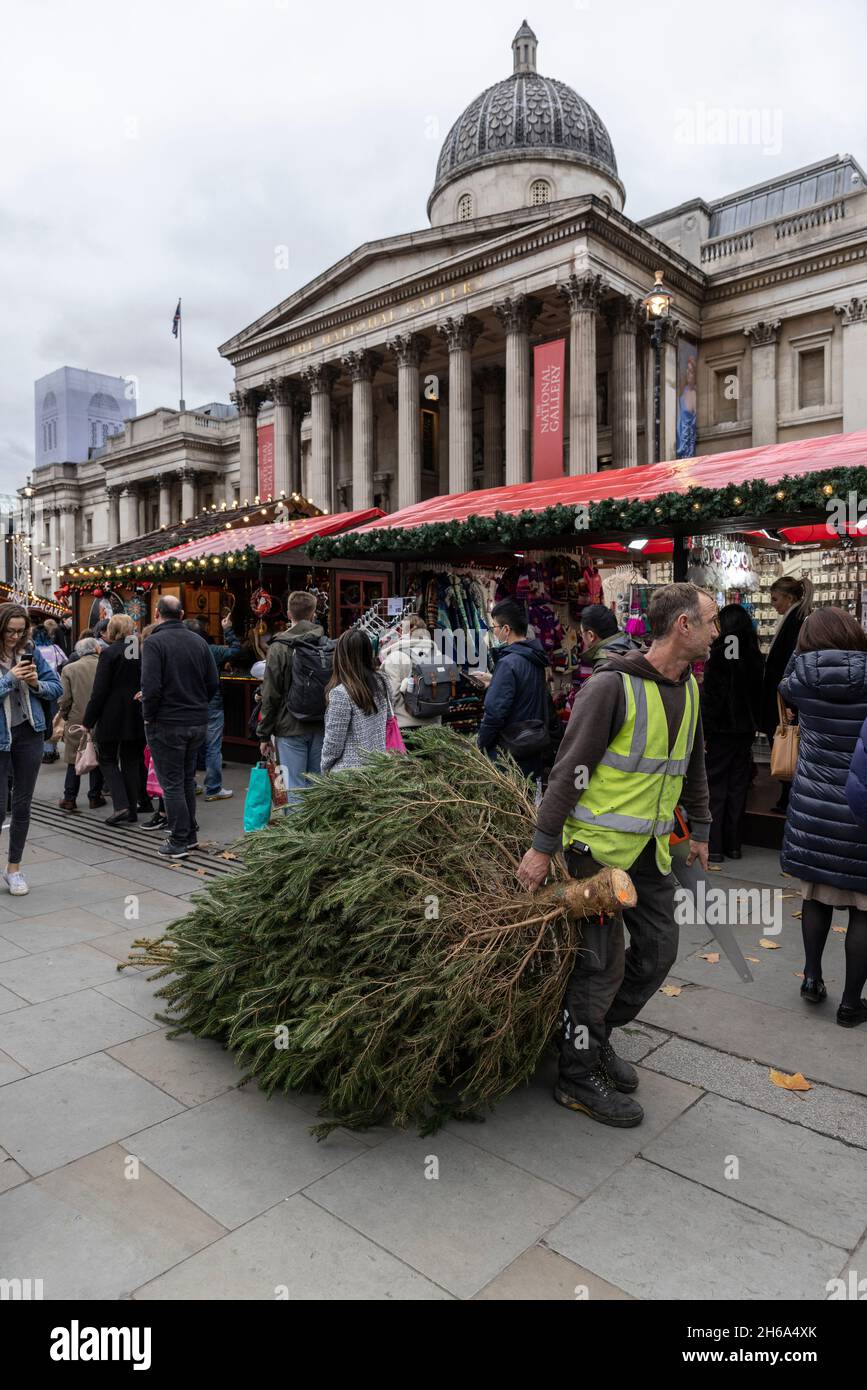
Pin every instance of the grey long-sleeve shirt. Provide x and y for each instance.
(598, 714)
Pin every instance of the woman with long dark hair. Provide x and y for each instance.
(28, 685)
(792, 598)
(358, 705)
(731, 700)
(824, 845)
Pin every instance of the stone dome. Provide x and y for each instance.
(526, 116)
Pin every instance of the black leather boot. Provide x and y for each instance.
(619, 1073)
(594, 1095)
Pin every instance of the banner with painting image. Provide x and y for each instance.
(687, 398)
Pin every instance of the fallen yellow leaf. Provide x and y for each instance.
(754, 959)
(712, 957)
(200, 873)
(789, 1083)
(769, 945)
(672, 990)
(798, 974)
(841, 930)
(797, 915)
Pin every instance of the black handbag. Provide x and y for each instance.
(528, 739)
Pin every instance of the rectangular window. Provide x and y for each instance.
(811, 379)
(725, 395)
(88, 529)
(46, 533)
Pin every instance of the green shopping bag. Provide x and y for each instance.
(257, 804)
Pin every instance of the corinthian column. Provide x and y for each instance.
(624, 318)
(362, 367)
(584, 294)
(763, 338)
(409, 349)
(319, 381)
(284, 393)
(248, 410)
(128, 514)
(854, 319)
(113, 494)
(516, 314)
(165, 482)
(188, 493)
(460, 332)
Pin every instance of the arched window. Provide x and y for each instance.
(540, 192)
(101, 402)
(465, 207)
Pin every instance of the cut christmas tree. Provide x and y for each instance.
(377, 947)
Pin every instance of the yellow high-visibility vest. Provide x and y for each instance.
(633, 792)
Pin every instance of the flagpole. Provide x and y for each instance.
(182, 403)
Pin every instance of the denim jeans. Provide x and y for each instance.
(174, 748)
(23, 761)
(299, 753)
(210, 755)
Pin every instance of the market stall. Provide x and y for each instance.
(244, 571)
(731, 523)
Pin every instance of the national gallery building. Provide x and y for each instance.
(418, 364)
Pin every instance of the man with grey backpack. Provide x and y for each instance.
(299, 666)
(421, 683)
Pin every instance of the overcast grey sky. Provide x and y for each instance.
(160, 149)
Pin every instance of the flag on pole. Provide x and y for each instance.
(176, 321)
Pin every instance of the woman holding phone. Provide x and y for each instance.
(27, 686)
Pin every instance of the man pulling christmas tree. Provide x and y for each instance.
(634, 751)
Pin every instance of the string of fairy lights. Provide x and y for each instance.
(78, 575)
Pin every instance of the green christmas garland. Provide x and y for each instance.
(791, 496)
(174, 567)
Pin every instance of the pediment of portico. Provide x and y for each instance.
(343, 310)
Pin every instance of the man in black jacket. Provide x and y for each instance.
(518, 692)
(179, 677)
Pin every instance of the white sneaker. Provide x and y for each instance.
(222, 795)
(16, 883)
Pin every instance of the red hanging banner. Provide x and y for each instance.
(266, 461)
(549, 360)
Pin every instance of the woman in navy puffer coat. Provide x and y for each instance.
(823, 845)
(856, 782)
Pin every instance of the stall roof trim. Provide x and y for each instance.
(769, 464)
(269, 539)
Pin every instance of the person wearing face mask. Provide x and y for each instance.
(632, 753)
(518, 714)
(28, 685)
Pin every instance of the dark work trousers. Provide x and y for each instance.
(728, 759)
(120, 763)
(22, 761)
(174, 749)
(72, 783)
(609, 985)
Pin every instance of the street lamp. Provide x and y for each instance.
(658, 307)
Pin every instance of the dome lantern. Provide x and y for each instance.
(524, 46)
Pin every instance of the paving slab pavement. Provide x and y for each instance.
(234, 1197)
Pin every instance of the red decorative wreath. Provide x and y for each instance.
(261, 603)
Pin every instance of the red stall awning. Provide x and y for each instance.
(269, 539)
(769, 463)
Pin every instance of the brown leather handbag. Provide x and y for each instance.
(785, 747)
